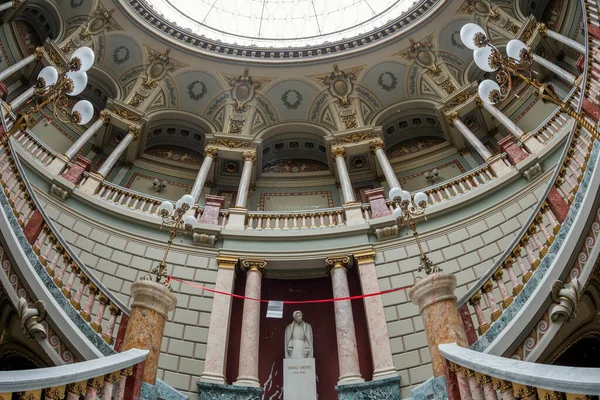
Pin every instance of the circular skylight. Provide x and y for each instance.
(280, 23)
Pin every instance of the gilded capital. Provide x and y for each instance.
(478, 101)
(338, 151)
(334, 262)
(376, 144)
(476, 299)
(365, 257)
(487, 287)
(227, 262)
(452, 117)
(249, 155)
(38, 53)
(105, 116)
(254, 264)
(542, 29)
(498, 274)
(134, 130)
(211, 151)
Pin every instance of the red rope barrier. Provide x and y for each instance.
(239, 296)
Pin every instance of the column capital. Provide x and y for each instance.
(542, 29)
(227, 262)
(249, 155)
(377, 144)
(365, 257)
(479, 102)
(134, 130)
(105, 116)
(340, 261)
(211, 151)
(338, 151)
(451, 117)
(38, 53)
(254, 264)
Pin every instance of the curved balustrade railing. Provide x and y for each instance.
(524, 255)
(266, 220)
(86, 294)
(104, 378)
(483, 376)
(34, 146)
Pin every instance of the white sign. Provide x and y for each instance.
(275, 309)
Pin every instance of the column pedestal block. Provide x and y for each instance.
(75, 173)
(591, 109)
(558, 205)
(376, 198)
(594, 31)
(213, 206)
(382, 389)
(92, 184)
(354, 215)
(215, 391)
(151, 304)
(34, 227)
(237, 218)
(514, 153)
(57, 165)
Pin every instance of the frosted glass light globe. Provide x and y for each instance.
(189, 220)
(483, 58)
(395, 192)
(85, 56)
(79, 79)
(489, 92)
(421, 199)
(471, 35)
(516, 49)
(406, 195)
(166, 208)
(85, 109)
(188, 200)
(48, 75)
(397, 213)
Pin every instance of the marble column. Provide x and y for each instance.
(339, 155)
(567, 76)
(504, 120)
(21, 64)
(22, 98)
(347, 347)
(547, 33)
(470, 137)
(6, 6)
(434, 295)
(118, 151)
(210, 155)
(249, 158)
(381, 351)
(215, 360)
(248, 364)
(378, 148)
(149, 312)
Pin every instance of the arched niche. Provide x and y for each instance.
(294, 153)
(40, 19)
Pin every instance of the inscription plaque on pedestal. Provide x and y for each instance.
(299, 379)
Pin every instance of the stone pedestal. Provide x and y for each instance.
(75, 173)
(376, 199)
(594, 31)
(299, 379)
(57, 165)
(34, 227)
(514, 153)
(388, 388)
(151, 304)
(212, 208)
(92, 184)
(354, 215)
(591, 109)
(237, 218)
(499, 165)
(558, 205)
(434, 295)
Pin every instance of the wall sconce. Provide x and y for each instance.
(158, 186)
(432, 175)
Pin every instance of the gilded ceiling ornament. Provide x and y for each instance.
(286, 101)
(196, 90)
(249, 155)
(356, 137)
(101, 20)
(243, 87)
(340, 82)
(421, 53)
(254, 265)
(462, 98)
(124, 113)
(452, 117)
(448, 86)
(137, 99)
(359, 162)
(333, 262)
(231, 143)
(377, 144)
(211, 151)
(160, 65)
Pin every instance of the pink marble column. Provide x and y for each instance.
(376, 199)
(381, 351)
(514, 153)
(212, 208)
(344, 322)
(434, 295)
(467, 321)
(218, 328)
(248, 364)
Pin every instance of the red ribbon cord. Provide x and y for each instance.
(239, 296)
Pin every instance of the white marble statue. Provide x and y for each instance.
(298, 338)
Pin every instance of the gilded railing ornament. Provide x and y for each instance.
(231, 143)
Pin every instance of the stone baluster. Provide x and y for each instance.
(66, 290)
(58, 277)
(529, 252)
(87, 309)
(107, 334)
(487, 290)
(249, 355)
(344, 322)
(339, 155)
(525, 273)
(249, 158)
(50, 268)
(41, 239)
(109, 385)
(83, 283)
(378, 148)
(504, 387)
(507, 265)
(539, 219)
(120, 395)
(506, 298)
(563, 74)
(547, 210)
(547, 33)
(474, 387)
(94, 385)
(381, 352)
(76, 390)
(218, 330)
(542, 249)
(51, 242)
(37, 54)
(97, 322)
(210, 155)
(462, 381)
(488, 388)
(475, 302)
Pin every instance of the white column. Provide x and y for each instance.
(339, 155)
(567, 76)
(544, 31)
(210, 153)
(116, 153)
(21, 64)
(469, 136)
(377, 147)
(22, 98)
(6, 6)
(83, 139)
(504, 120)
(347, 347)
(249, 342)
(249, 158)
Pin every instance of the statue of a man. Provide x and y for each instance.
(298, 338)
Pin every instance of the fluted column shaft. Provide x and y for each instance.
(504, 120)
(249, 342)
(210, 154)
(249, 158)
(21, 64)
(91, 131)
(22, 98)
(377, 146)
(347, 347)
(470, 137)
(561, 38)
(116, 153)
(339, 155)
(567, 76)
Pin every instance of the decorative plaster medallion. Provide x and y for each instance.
(387, 81)
(118, 56)
(231, 167)
(286, 101)
(196, 95)
(359, 162)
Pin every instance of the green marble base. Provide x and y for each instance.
(215, 391)
(431, 389)
(384, 389)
